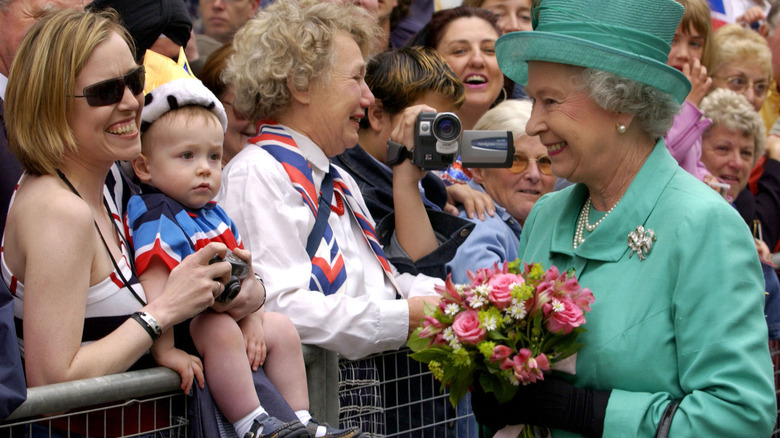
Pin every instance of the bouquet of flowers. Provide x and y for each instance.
(506, 328)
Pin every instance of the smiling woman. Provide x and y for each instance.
(74, 103)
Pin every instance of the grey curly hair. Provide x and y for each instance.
(733, 111)
(288, 44)
(653, 109)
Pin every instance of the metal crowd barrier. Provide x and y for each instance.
(411, 404)
(152, 390)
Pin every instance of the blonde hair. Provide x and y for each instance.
(734, 43)
(42, 81)
(509, 115)
(289, 44)
(732, 111)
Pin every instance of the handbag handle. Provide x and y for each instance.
(666, 419)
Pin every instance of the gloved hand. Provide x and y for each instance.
(552, 403)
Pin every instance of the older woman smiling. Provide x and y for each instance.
(514, 191)
(644, 235)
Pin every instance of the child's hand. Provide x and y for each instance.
(254, 338)
(753, 14)
(473, 201)
(189, 367)
(700, 81)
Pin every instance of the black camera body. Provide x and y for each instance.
(439, 138)
(239, 270)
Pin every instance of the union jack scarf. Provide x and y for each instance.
(327, 264)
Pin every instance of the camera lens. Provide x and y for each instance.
(446, 127)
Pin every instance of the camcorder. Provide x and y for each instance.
(439, 138)
(239, 270)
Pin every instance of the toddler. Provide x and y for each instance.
(182, 128)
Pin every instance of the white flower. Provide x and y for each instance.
(451, 309)
(482, 290)
(449, 334)
(490, 323)
(557, 306)
(517, 310)
(478, 301)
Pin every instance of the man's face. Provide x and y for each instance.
(221, 19)
(17, 18)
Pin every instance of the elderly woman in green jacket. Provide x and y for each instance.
(676, 342)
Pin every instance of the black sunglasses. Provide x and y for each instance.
(110, 91)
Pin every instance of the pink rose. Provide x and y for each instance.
(467, 329)
(501, 292)
(500, 352)
(563, 316)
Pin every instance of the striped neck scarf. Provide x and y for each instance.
(328, 273)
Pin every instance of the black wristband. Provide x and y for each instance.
(148, 323)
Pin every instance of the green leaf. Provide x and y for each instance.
(416, 343)
(434, 353)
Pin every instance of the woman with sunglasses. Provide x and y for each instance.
(73, 108)
(514, 191)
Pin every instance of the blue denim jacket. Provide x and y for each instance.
(496, 239)
(376, 185)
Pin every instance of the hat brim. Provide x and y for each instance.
(515, 49)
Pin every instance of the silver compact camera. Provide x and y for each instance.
(439, 138)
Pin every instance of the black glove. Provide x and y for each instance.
(552, 403)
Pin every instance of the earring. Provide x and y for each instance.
(621, 128)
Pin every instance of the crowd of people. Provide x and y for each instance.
(207, 186)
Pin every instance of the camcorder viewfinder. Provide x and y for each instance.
(439, 138)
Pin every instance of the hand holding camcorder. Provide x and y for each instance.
(439, 138)
(239, 270)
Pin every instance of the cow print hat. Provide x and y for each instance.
(176, 94)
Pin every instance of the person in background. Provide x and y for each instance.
(691, 53)
(466, 38)
(408, 204)
(221, 19)
(513, 15)
(333, 280)
(661, 353)
(239, 128)
(404, 196)
(742, 62)
(730, 148)
(771, 107)
(514, 192)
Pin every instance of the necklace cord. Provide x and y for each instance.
(102, 239)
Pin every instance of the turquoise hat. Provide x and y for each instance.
(630, 38)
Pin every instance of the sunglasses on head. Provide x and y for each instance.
(520, 163)
(110, 91)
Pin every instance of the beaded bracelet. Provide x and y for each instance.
(149, 324)
(265, 292)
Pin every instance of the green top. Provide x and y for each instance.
(686, 322)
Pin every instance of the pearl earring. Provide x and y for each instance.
(621, 128)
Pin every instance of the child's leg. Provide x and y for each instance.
(284, 364)
(221, 345)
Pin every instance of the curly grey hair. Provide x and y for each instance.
(733, 111)
(288, 44)
(653, 109)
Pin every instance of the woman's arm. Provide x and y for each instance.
(61, 250)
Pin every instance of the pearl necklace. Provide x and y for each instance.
(583, 224)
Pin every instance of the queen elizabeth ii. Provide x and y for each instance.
(676, 342)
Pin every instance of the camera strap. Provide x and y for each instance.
(105, 244)
(396, 153)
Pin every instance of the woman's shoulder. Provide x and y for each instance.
(42, 198)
